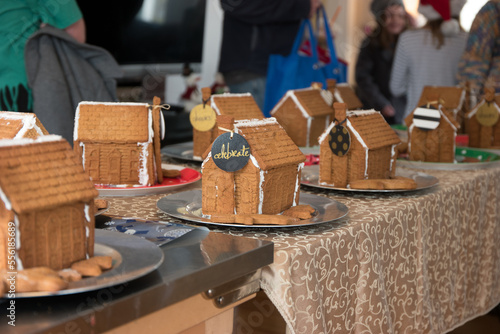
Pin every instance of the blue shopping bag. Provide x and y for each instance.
(299, 69)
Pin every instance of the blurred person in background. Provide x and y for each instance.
(429, 55)
(480, 63)
(19, 19)
(252, 31)
(373, 67)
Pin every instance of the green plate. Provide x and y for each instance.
(466, 158)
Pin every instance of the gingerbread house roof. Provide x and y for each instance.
(269, 144)
(453, 97)
(445, 115)
(308, 100)
(369, 127)
(474, 110)
(117, 122)
(41, 174)
(15, 125)
(344, 93)
(238, 106)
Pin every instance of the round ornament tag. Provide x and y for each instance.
(487, 114)
(339, 140)
(230, 152)
(202, 117)
(426, 118)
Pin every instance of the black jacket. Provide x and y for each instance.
(373, 72)
(255, 29)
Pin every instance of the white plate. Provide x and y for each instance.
(310, 177)
(186, 205)
(167, 185)
(133, 257)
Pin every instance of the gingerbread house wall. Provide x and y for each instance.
(202, 141)
(117, 164)
(240, 192)
(482, 136)
(280, 193)
(436, 145)
(293, 121)
(55, 238)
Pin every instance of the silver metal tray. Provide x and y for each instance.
(133, 257)
(310, 177)
(187, 206)
(182, 151)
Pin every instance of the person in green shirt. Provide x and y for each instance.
(19, 19)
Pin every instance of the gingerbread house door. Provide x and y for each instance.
(114, 164)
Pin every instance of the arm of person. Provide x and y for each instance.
(400, 70)
(269, 11)
(63, 15)
(475, 63)
(368, 89)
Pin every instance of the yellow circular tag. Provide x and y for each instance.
(202, 117)
(487, 114)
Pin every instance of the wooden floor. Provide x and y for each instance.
(259, 316)
(487, 324)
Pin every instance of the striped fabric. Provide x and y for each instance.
(418, 63)
(480, 64)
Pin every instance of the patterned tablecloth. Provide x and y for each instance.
(418, 262)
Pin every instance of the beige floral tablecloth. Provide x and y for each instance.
(418, 262)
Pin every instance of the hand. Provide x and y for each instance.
(315, 4)
(388, 111)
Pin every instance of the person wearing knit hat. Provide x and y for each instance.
(446, 11)
(374, 63)
(429, 56)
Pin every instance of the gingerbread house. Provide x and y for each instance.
(268, 184)
(304, 114)
(368, 148)
(431, 134)
(46, 204)
(482, 122)
(15, 125)
(238, 106)
(344, 93)
(120, 142)
(451, 97)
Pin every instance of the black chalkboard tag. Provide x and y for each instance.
(340, 140)
(230, 152)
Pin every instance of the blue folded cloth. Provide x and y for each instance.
(157, 232)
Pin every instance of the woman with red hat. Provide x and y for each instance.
(429, 55)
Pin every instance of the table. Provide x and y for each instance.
(184, 291)
(421, 262)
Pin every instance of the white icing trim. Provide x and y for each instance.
(337, 96)
(143, 158)
(18, 244)
(297, 184)
(247, 123)
(214, 107)
(443, 116)
(206, 160)
(261, 182)
(82, 145)
(301, 108)
(326, 132)
(87, 212)
(5, 200)
(28, 141)
(77, 122)
(393, 156)
(28, 124)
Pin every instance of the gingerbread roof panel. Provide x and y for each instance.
(269, 143)
(447, 116)
(239, 106)
(113, 122)
(20, 125)
(452, 97)
(373, 129)
(311, 101)
(349, 97)
(42, 174)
